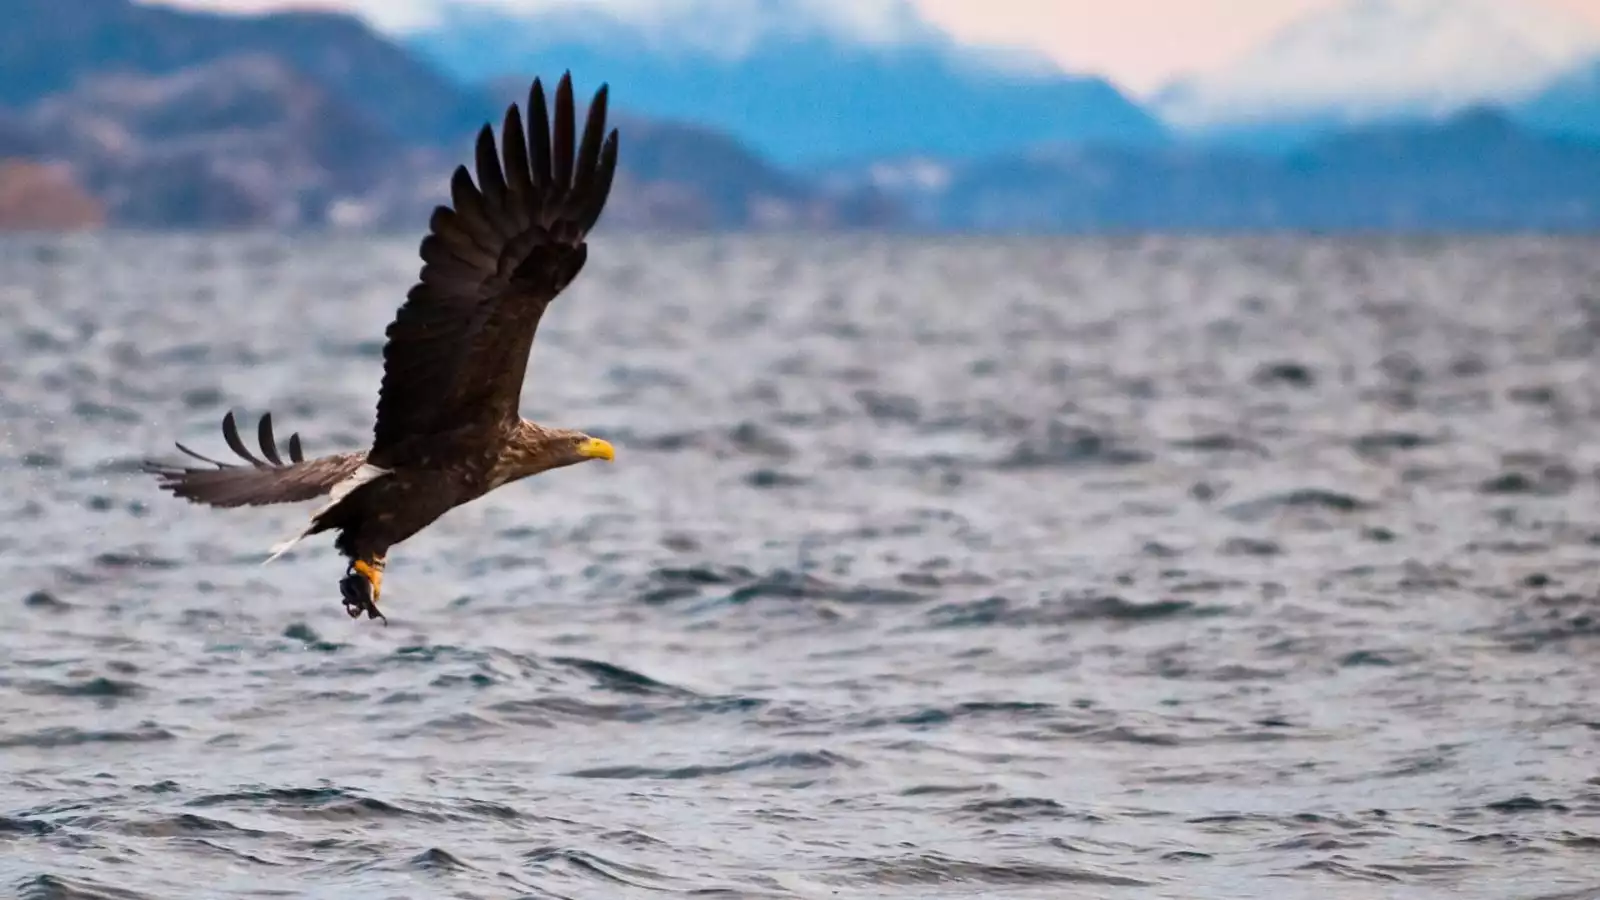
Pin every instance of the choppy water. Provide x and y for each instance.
(1161, 568)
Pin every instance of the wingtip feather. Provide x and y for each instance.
(491, 179)
(588, 162)
(563, 137)
(539, 134)
(269, 444)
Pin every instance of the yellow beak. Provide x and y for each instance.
(594, 448)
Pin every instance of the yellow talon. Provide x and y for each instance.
(361, 586)
(372, 573)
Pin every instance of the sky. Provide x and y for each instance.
(1140, 44)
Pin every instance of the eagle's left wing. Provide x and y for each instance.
(261, 482)
(494, 259)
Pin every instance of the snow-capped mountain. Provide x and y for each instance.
(719, 29)
(1367, 60)
(1568, 107)
(801, 80)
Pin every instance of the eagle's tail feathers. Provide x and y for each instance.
(283, 546)
(367, 473)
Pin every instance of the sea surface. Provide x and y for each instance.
(1142, 567)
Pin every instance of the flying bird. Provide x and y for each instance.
(447, 429)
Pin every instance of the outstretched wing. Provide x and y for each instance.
(493, 260)
(263, 481)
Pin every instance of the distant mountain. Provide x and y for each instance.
(1568, 106)
(241, 140)
(160, 118)
(1472, 172)
(48, 46)
(802, 81)
(173, 118)
(682, 29)
(1369, 61)
(39, 197)
(700, 178)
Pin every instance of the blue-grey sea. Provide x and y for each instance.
(1044, 568)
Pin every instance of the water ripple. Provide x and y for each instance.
(1116, 567)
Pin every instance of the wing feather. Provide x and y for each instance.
(602, 184)
(259, 482)
(230, 433)
(539, 140)
(561, 140)
(472, 214)
(506, 246)
(588, 160)
(519, 181)
(269, 446)
(491, 181)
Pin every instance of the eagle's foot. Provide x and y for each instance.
(362, 584)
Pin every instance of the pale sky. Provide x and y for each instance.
(1140, 44)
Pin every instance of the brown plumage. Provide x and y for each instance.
(265, 480)
(447, 429)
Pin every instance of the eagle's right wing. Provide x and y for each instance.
(493, 260)
(263, 481)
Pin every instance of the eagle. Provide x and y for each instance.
(447, 429)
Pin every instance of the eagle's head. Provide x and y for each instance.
(581, 447)
(542, 449)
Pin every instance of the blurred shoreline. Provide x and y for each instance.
(301, 120)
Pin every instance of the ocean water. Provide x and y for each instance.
(1030, 569)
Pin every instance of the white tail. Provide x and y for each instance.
(366, 473)
(282, 547)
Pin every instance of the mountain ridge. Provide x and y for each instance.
(807, 96)
(1568, 106)
(47, 45)
(1364, 61)
(197, 120)
(1475, 171)
(175, 118)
